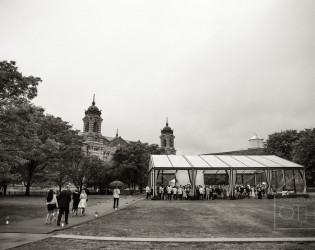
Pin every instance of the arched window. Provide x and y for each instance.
(86, 127)
(95, 127)
(163, 142)
(171, 143)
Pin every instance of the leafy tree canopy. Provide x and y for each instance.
(32, 140)
(131, 162)
(281, 143)
(84, 169)
(304, 149)
(14, 86)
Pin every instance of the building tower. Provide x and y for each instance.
(256, 142)
(167, 139)
(92, 120)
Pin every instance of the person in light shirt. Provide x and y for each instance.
(169, 192)
(161, 190)
(148, 191)
(116, 194)
(202, 192)
(180, 192)
(175, 193)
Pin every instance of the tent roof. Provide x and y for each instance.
(220, 162)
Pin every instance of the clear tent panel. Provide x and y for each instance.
(197, 161)
(214, 162)
(178, 161)
(264, 161)
(248, 161)
(214, 172)
(161, 161)
(282, 161)
(231, 161)
(168, 172)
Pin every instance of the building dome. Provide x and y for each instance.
(167, 129)
(93, 109)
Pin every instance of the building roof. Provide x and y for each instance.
(255, 137)
(220, 162)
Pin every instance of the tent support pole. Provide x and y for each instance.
(284, 187)
(153, 183)
(294, 186)
(302, 173)
(304, 179)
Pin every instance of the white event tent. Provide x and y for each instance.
(218, 164)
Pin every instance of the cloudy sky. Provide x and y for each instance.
(220, 70)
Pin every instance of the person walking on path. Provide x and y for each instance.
(116, 194)
(76, 201)
(52, 204)
(64, 203)
(148, 191)
(83, 199)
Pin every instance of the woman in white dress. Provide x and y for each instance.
(83, 200)
(253, 195)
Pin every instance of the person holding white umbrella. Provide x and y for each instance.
(116, 194)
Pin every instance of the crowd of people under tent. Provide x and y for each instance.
(208, 192)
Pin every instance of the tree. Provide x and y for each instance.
(34, 139)
(295, 146)
(131, 162)
(14, 86)
(304, 152)
(83, 169)
(15, 89)
(281, 143)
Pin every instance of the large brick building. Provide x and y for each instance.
(94, 142)
(105, 146)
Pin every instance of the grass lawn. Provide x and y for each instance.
(201, 219)
(218, 218)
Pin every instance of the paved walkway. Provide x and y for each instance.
(10, 240)
(27, 231)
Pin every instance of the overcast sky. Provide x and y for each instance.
(219, 70)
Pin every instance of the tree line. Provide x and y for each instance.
(40, 149)
(296, 146)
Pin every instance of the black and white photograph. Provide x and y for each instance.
(157, 124)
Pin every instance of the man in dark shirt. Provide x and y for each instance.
(64, 203)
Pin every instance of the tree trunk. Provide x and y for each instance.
(28, 185)
(294, 186)
(31, 168)
(5, 189)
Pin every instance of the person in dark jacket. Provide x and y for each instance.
(64, 203)
(76, 200)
